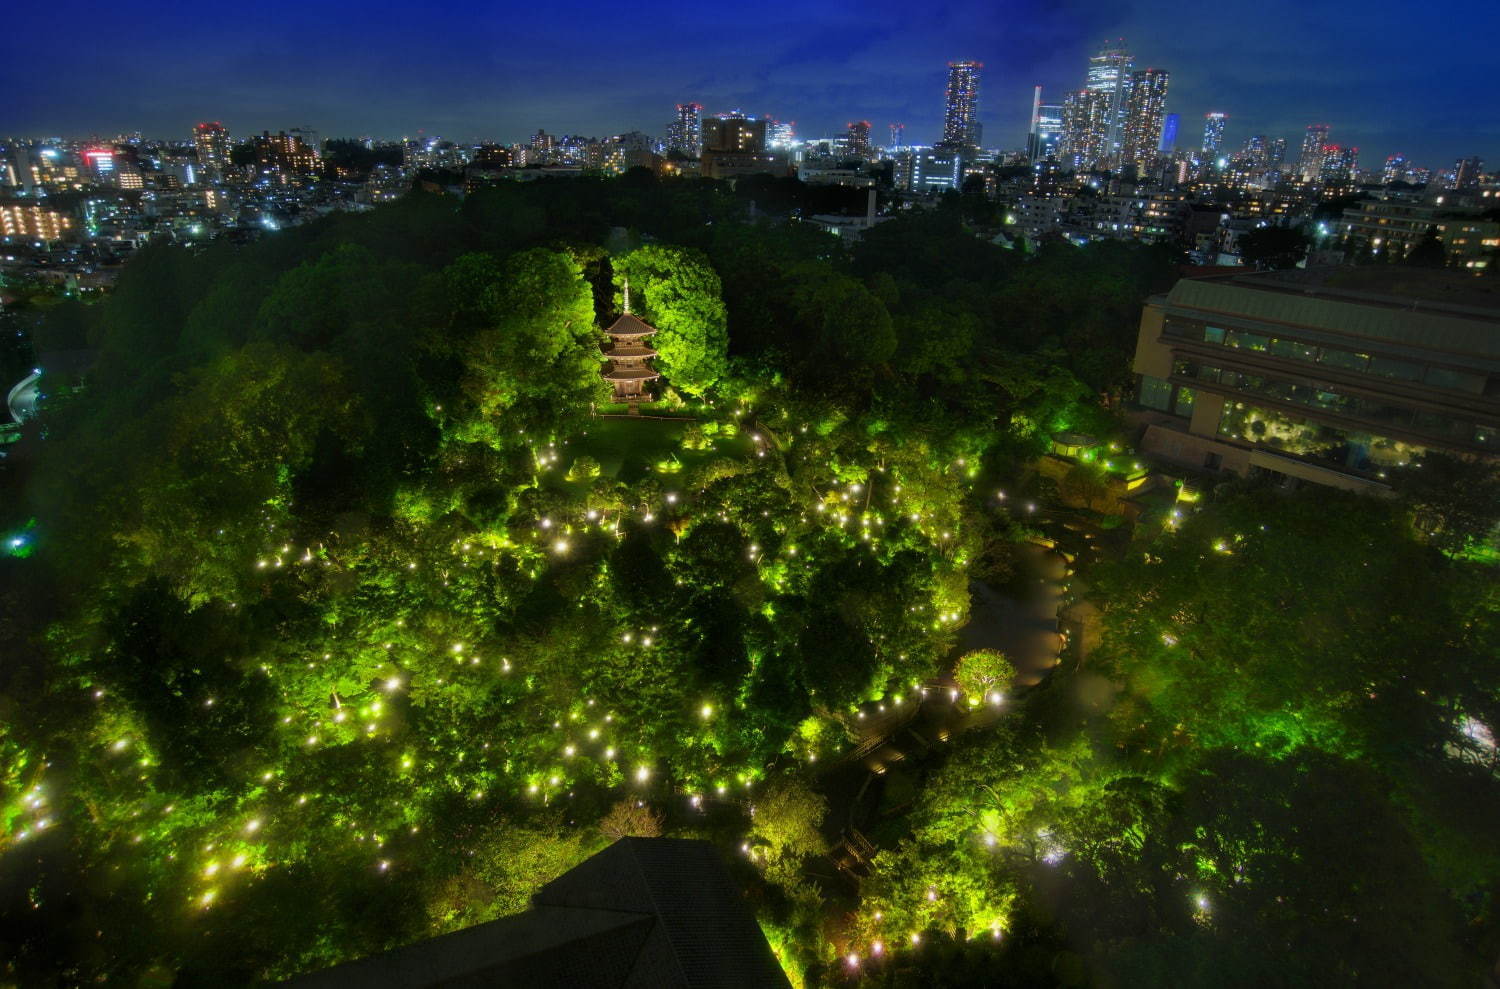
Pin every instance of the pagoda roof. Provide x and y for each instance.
(630, 325)
(631, 374)
(631, 351)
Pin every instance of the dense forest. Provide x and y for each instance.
(351, 611)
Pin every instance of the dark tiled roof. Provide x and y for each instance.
(645, 912)
(630, 325)
(704, 921)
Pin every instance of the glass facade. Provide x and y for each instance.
(1341, 448)
(1373, 411)
(1334, 357)
(1156, 393)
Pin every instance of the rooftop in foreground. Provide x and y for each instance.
(658, 912)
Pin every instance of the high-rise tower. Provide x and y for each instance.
(1213, 132)
(1043, 140)
(1143, 121)
(961, 107)
(685, 132)
(1085, 129)
(1109, 73)
(1310, 162)
(212, 142)
(1466, 172)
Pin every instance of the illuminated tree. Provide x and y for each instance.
(631, 819)
(678, 292)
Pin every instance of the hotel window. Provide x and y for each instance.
(1247, 341)
(1213, 334)
(1387, 367)
(1156, 393)
(1184, 405)
(1349, 360)
(1456, 380)
(1294, 349)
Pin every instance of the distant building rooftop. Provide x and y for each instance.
(645, 912)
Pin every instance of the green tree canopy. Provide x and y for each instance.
(677, 291)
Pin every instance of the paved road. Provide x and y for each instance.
(909, 728)
(23, 398)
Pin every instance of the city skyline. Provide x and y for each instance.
(491, 77)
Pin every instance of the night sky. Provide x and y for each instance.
(1388, 77)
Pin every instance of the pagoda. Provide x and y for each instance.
(629, 358)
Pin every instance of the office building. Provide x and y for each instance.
(1168, 142)
(1323, 375)
(1276, 153)
(1466, 173)
(734, 145)
(1257, 152)
(1144, 119)
(928, 170)
(856, 140)
(1310, 163)
(1044, 139)
(1109, 73)
(1395, 169)
(781, 135)
(1340, 166)
(961, 130)
(734, 132)
(1085, 129)
(685, 132)
(1213, 132)
(211, 140)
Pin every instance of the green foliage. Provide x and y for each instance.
(340, 597)
(1455, 501)
(678, 292)
(982, 673)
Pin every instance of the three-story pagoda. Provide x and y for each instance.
(629, 358)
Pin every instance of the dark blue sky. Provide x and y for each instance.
(1387, 76)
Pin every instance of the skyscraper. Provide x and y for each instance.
(1168, 142)
(1340, 165)
(1109, 73)
(1042, 141)
(857, 139)
(1213, 132)
(1276, 153)
(212, 141)
(1085, 129)
(1144, 118)
(1466, 173)
(1310, 163)
(1395, 169)
(1256, 152)
(961, 107)
(685, 132)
